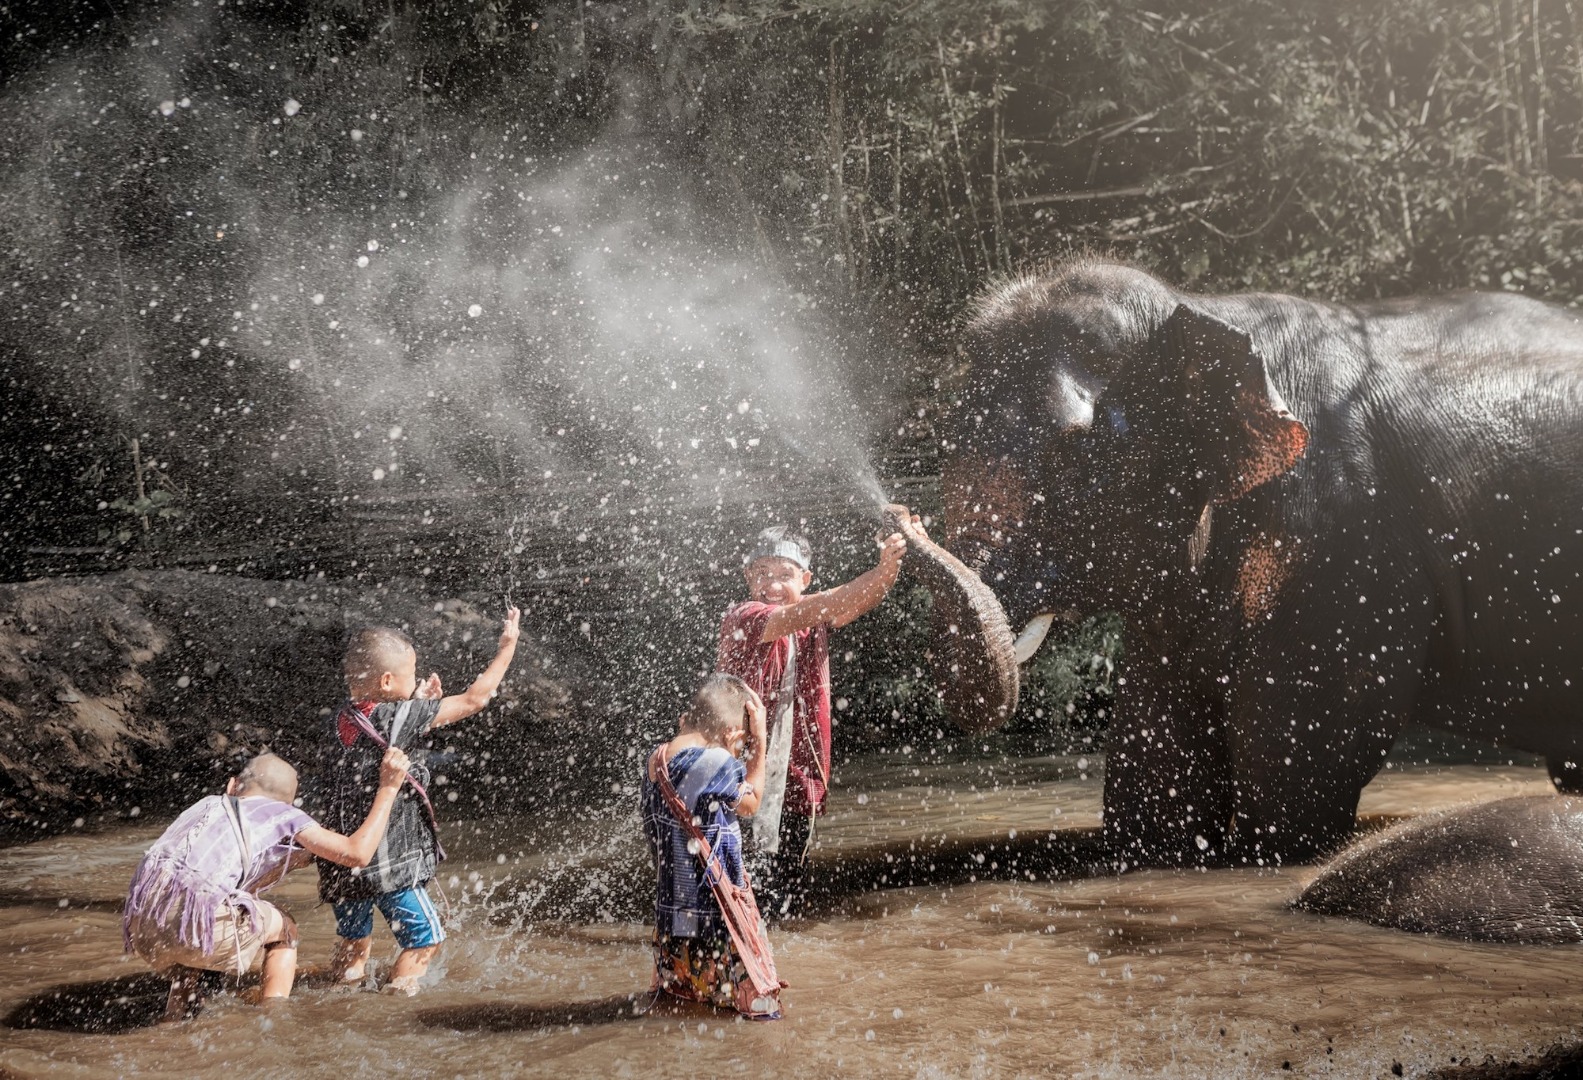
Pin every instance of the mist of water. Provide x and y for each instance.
(281, 286)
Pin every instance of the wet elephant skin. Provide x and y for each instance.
(972, 657)
(1320, 522)
(1500, 871)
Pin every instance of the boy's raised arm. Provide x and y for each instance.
(475, 697)
(357, 849)
(842, 604)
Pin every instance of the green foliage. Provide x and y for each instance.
(1070, 682)
(132, 515)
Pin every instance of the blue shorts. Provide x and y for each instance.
(410, 913)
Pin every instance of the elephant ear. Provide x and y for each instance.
(1242, 431)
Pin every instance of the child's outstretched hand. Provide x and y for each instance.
(511, 629)
(393, 767)
(429, 688)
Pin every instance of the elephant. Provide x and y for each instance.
(1504, 871)
(1319, 522)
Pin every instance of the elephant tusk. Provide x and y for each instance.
(1032, 637)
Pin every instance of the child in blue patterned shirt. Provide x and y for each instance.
(694, 957)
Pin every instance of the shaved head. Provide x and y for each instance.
(268, 775)
(373, 651)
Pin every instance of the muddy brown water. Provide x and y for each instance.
(1167, 974)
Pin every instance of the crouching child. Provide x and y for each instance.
(194, 904)
(709, 942)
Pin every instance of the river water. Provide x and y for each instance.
(998, 955)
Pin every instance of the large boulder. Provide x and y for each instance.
(144, 689)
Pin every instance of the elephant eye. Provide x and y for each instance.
(1117, 420)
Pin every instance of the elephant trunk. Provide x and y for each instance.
(973, 656)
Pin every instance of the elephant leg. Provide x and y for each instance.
(1311, 723)
(1566, 775)
(1167, 779)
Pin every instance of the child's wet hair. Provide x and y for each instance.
(374, 650)
(719, 703)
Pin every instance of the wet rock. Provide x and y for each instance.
(135, 691)
(1560, 1062)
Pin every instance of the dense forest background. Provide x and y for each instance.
(560, 300)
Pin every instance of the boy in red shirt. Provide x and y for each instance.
(778, 643)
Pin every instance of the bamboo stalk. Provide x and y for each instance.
(837, 136)
(1576, 38)
(138, 486)
(862, 218)
(1541, 94)
(1515, 133)
(895, 203)
(961, 157)
(1498, 11)
(945, 195)
(1002, 256)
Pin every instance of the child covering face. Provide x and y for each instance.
(694, 957)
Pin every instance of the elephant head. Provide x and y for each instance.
(1102, 421)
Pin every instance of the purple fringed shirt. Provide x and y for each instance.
(196, 865)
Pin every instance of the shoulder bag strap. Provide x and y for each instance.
(233, 808)
(737, 906)
(423, 796)
(683, 813)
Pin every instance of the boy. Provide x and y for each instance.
(193, 905)
(387, 706)
(694, 956)
(777, 641)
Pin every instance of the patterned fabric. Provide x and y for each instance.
(709, 780)
(744, 652)
(349, 775)
(196, 867)
(702, 969)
